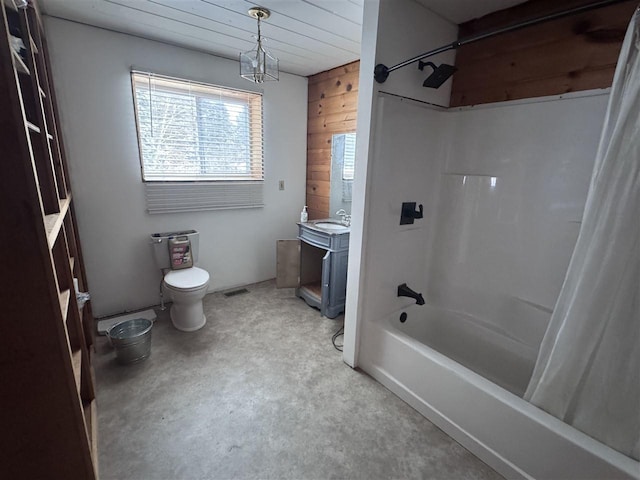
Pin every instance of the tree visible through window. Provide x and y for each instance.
(195, 132)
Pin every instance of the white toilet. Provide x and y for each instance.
(186, 286)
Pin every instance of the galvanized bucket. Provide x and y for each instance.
(131, 339)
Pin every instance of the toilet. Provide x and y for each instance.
(186, 287)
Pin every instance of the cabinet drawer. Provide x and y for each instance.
(314, 238)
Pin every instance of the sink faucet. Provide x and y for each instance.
(346, 218)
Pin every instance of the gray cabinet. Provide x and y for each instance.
(316, 266)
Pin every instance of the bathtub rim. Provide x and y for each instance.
(605, 454)
(494, 330)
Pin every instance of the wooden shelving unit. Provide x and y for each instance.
(47, 401)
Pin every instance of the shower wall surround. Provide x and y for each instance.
(503, 188)
(409, 155)
(512, 193)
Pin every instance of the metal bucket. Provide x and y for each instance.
(131, 339)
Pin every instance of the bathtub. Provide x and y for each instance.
(467, 378)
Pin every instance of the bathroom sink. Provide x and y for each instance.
(331, 226)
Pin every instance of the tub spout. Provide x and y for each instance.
(405, 291)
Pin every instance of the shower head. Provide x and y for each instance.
(440, 74)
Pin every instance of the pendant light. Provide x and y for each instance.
(258, 65)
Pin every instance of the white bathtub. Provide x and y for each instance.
(514, 437)
(480, 347)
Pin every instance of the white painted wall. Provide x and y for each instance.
(364, 142)
(392, 31)
(407, 29)
(91, 73)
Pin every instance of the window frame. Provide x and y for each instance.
(254, 102)
(201, 194)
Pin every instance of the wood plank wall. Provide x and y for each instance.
(333, 105)
(565, 55)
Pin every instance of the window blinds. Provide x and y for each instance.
(201, 146)
(349, 165)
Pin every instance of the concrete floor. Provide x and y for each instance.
(260, 392)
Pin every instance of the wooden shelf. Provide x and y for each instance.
(90, 421)
(64, 302)
(314, 288)
(10, 5)
(53, 222)
(76, 362)
(21, 67)
(48, 411)
(87, 389)
(32, 127)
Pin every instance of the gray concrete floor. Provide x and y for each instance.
(260, 392)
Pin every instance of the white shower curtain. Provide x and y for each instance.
(588, 368)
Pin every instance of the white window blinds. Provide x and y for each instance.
(201, 146)
(349, 165)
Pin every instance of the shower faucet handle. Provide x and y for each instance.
(409, 213)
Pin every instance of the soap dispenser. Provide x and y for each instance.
(304, 216)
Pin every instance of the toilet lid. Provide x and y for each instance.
(187, 278)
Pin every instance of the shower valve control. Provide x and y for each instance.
(409, 213)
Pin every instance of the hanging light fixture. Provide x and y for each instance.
(258, 65)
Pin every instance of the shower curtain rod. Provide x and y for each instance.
(381, 72)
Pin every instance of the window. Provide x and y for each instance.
(200, 145)
(349, 165)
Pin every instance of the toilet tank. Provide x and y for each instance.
(160, 246)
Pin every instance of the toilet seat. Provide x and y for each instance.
(187, 279)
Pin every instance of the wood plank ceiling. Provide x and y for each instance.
(308, 36)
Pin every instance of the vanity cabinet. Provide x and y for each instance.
(315, 264)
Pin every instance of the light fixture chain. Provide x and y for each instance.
(259, 35)
(259, 65)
